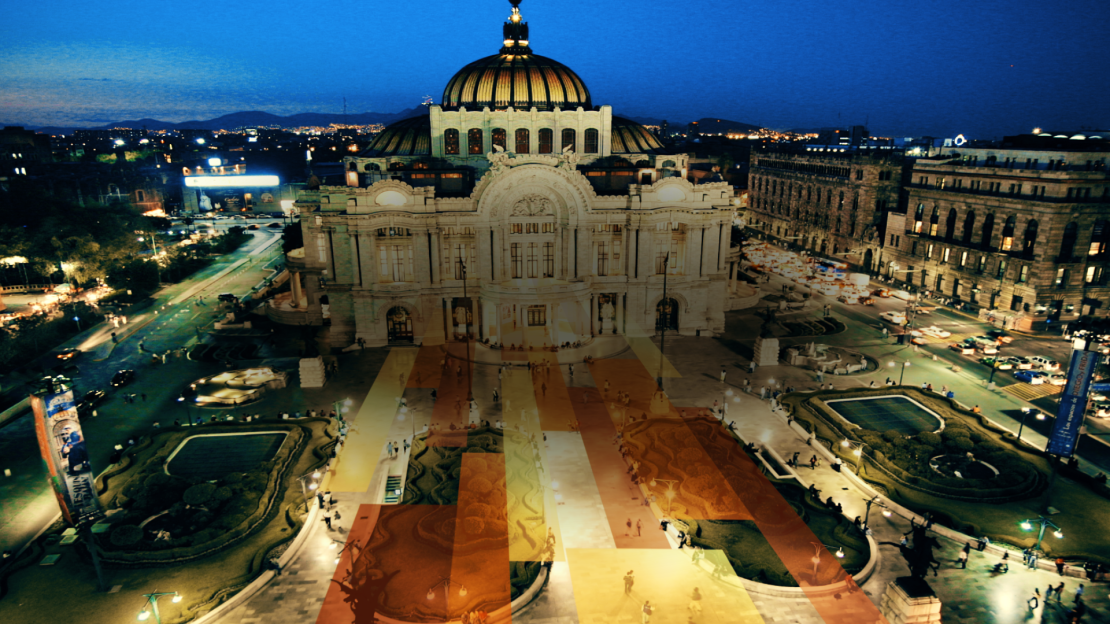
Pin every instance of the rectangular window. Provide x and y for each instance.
(1061, 277)
(929, 251)
(591, 141)
(532, 260)
(982, 264)
(523, 143)
(933, 229)
(1001, 274)
(474, 141)
(515, 260)
(963, 258)
(616, 258)
(917, 227)
(602, 259)
(1023, 274)
(944, 255)
(1015, 303)
(548, 228)
(547, 140)
(395, 263)
(549, 259)
(1007, 243)
(322, 247)
(913, 248)
(1090, 277)
(516, 228)
(531, 228)
(451, 142)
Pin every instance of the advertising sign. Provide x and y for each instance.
(1073, 404)
(63, 449)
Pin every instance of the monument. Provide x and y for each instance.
(909, 599)
(767, 345)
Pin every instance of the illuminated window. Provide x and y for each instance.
(568, 138)
(944, 255)
(548, 228)
(474, 141)
(451, 142)
(523, 143)
(515, 260)
(602, 259)
(591, 141)
(1008, 233)
(497, 137)
(532, 260)
(963, 258)
(547, 138)
(516, 228)
(531, 228)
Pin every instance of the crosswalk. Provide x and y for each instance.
(1030, 392)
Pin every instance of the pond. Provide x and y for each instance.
(211, 456)
(884, 413)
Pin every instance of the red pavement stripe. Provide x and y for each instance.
(451, 406)
(610, 474)
(481, 555)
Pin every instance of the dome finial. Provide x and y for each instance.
(516, 32)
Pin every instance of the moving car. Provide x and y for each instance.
(1001, 336)
(1059, 379)
(253, 226)
(91, 399)
(935, 332)
(986, 349)
(123, 378)
(1047, 364)
(227, 297)
(68, 353)
(881, 292)
(903, 295)
(1030, 377)
(867, 300)
(893, 317)
(962, 348)
(1020, 363)
(275, 225)
(996, 363)
(1101, 411)
(846, 298)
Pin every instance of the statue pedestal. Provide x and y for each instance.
(659, 403)
(607, 326)
(767, 352)
(909, 600)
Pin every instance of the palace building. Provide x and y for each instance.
(516, 212)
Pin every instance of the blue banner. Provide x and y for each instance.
(1073, 404)
(66, 456)
(1100, 387)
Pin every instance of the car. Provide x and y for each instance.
(275, 225)
(986, 349)
(992, 340)
(1101, 411)
(896, 318)
(89, 402)
(1020, 363)
(935, 332)
(903, 295)
(867, 300)
(253, 226)
(996, 363)
(1058, 379)
(1048, 364)
(1001, 336)
(122, 378)
(1030, 377)
(68, 353)
(227, 297)
(849, 299)
(962, 348)
(881, 292)
(918, 339)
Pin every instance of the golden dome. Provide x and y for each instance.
(629, 137)
(516, 78)
(407, 137)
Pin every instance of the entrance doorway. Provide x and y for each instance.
(399, 325)
(666, 315)
(537, 316)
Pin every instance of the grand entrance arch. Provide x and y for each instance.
(399, 325)
(868, 261)
(666, 315)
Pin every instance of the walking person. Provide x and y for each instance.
(813, 463)
(629, 581)
(639, 527)
(1032, 561)
(647, 609)
(1034, 600)
(1059, 591)
(628, 531)
(1079, 593)
(751, 367)
(695, 602)
(327, 519)
(1060, 565)
(962, 559)
(723, 373)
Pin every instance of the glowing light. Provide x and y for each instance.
(231, 181)
(144, 615)
(839, 553)
(200, 141)
(214, 162)
(176, 597)
(119, 141)
(886, 513)
(1025, 526)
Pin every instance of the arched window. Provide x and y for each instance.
(934, 221)
(523, 142)
(969, 226)
(1008, 233)
(591, 141)
(474, 141)
(568, 139)
(1067, 243)
(1030, 242)
(546, 140)
(451, 142)
(950, 225)
(988, 232)
(497, 137)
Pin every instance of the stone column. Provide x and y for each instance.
(420, 248)
(559, 255)
(483, 250)
(643, 254)
(693, 250)
(592, 312)
(726, 244)
(585, 246)
(498, 243)
(708, 258)
(369, 258)
(437, 263)
(298, 291)
(620, 313)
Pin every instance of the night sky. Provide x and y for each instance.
(981, 68)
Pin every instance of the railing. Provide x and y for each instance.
(26, 288)
(963, 190)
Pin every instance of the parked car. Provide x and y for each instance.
(935, 332)
(1101, 410)
(68, 353)
(1001, 336)
(867, 300)
(122, 378)
(1058, 379)
(962, 348)
(1098, 397)
(227, 297)
(1040, 361)
(996, 363)
(1020, 363)
(1030, 377)
(91, 399)
(893, 317)
(986, 349)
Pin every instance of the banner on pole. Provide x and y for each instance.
(1073, 404)
(66, 456)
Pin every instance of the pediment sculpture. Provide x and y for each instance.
(532, 206)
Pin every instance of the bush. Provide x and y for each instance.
(156, 480)
(960, 444)
(126, 535)
(199, 494)
(929, 438)
(894, 437)
(222, 494)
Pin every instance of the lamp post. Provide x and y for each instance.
(446, 583)
(816, 560)
(152, 600)
(669, 494)
(154, 247)
(664, 318)
(867, 514)
(857, 450)
(1027, 525)
(902, 373)
(311, 486)
(342, 407)
(1025, 413)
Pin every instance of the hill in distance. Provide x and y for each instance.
(714, 125)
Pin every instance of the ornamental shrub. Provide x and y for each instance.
(199, 494)
(929, 438)
(126, 535)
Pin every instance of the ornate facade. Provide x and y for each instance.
(546, 258)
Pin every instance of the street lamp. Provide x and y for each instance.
(857, 450)
(77, 320)
(342, 407)
(446, 583)
(154, 247)
(1024, 413)
(901, 374)
(669, 494)
(152, 600)
(1027, 525)
(872, 501)
(309, 483)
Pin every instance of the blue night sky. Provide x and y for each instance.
(983, 68)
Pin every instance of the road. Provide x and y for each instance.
(172, 321)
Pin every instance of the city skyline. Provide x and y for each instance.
(910, 70)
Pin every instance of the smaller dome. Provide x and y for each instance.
(408, 137)
(630, 137)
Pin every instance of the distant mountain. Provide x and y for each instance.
(249, 119)
(714, 125)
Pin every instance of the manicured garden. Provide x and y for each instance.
(920, 473)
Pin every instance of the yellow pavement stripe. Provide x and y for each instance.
(1029, 392)
(647, 352)
(354, 470)
(666, 578)
(531, 499)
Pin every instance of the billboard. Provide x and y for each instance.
(66, 456)
(1073, 404)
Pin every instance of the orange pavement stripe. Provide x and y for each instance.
(451, 407)
(610, 474)
(335, 609)
(480, 561)
(426, 371)
(552, 400)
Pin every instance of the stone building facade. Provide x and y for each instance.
(506, 239)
